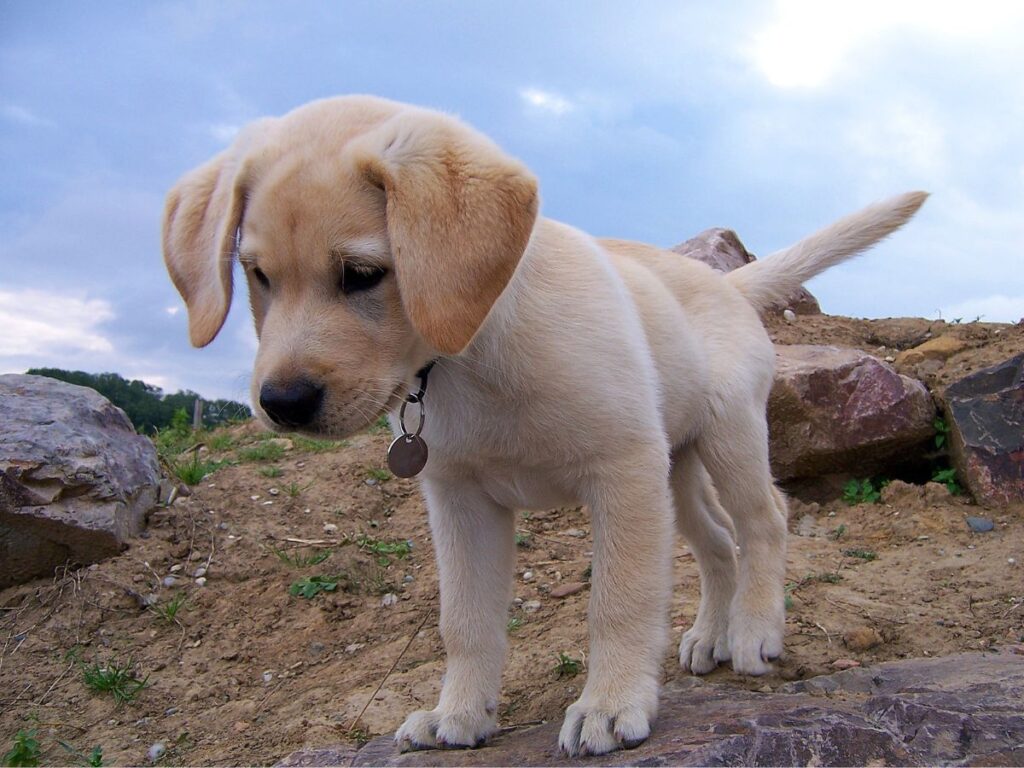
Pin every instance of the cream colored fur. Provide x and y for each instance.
(571, 370)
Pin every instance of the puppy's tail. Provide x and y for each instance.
(773, 279)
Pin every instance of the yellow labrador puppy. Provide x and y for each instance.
(378, 238)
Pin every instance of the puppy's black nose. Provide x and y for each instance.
(293, 404)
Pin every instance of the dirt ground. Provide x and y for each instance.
(246, 672)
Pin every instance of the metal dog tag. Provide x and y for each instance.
(407, 455)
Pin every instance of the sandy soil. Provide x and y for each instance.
(246, 672)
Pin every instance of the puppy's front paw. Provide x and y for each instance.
(755, 643)
(702, 648)
(434, 729)
(591, 728)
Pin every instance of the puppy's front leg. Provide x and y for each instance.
(632, 524)
(475, 547)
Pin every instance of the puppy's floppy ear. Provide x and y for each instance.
(201, 217)
(459, 215)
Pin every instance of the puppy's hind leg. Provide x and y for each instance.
(705, 525)
(475, 546)
(734, 448)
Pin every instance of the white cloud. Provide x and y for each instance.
(809, 42)
(223, 132)
(41, 324)
(172, 311)
(547, 101)
(16, 113)
(990, 309)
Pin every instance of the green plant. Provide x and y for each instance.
(567, 666)
(861, 492)
(588, 572)
(169, 611)
(861, 554)
(948, 478)
(380, 425)
(826, 577)
(384, 550)
(298, 559)
(193, 470)
(270, 471)
(312, 586)
(514, 624)
(790, 586)
(941, 432)
(262, 451)
(293, 489)
(94, 758)
(380, 475)
(221, 441)
(25, 751)
(523, 539)
(837, 533)
(117, 679)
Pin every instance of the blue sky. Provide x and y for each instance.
(647, 120)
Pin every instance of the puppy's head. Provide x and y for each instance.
(374, 237)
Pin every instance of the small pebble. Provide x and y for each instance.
(354, 647)
(576, 533)
(200, 571)
(527, 575)
(890, 359)
(156, 751)
(330, 527)
(273, 491)
(407, 579)
(569, 588)
(389, 599)
(1011, 561)
(371, 481)
(241, 726)
(530, 606)
(980, 524)
(268, 676)
(789, 315)
(169, 581)
(255, 498)
(518, 601)
(862, 638)
(201, 581)
(177, 567)
(170, 711)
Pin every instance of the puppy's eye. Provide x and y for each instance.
(261, 278)
(358, 277)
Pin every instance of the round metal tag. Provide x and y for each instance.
(407, 455)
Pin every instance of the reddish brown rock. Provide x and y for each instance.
(722, 249)
(985, 412)
(956, 710)
(569, 588)
(834, 411)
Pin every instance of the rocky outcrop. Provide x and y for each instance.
(985, 413)
(834, 411)
(722, 249)
(954, 710)
(76, 481)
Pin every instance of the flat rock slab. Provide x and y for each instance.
(834, 410)
(723, 250)
(955, 710)
(76, 481)
(985, 412)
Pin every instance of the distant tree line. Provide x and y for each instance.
(146, 405)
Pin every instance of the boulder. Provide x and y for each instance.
(834, 411)
(76, 481)
(954, 710)
(722, 249)
(985, 413)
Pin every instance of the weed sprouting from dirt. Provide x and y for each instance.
(115, 678)
(169, 611)
(861, 554)
(25, 751)
(567, 666)
(301, 559)
(384, 550)
(311, 586)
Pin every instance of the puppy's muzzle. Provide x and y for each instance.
(294, 404)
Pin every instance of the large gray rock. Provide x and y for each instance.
(722, 249)
(835, 411)
(76, 481)
(985, 412)
(955, 710)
